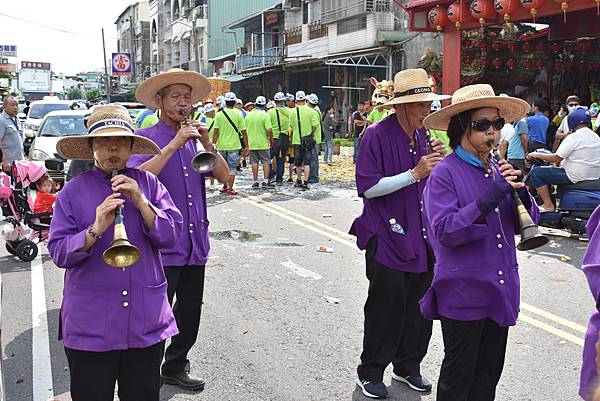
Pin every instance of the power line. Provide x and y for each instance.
(48, 26)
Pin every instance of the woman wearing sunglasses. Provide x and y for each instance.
(472, 222)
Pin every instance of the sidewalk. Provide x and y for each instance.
(341, 172)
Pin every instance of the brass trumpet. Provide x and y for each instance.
(121, 253)
(531, 236)
(204, 161)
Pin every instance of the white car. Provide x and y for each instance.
(38, 110)
(55, 125)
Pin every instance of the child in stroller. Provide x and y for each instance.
(17, 208)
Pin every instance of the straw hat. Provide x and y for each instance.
(412, 86)
(476, 97)
(147, 90)
(109, 120)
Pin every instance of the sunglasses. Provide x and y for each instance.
(484, 124)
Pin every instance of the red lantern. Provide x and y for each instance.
(497, 46)
(532, 6)
(484, 62)
(582, 66)
(482, 10)
(526, 47)
(458, 12)
(510, 64)
(564, 5)
(467, 60)
(557, 64)
(438, 17)
(527, 64)
(555, 47)
(497, 63)
(539, 47)
(539, 63)
(506, 8)
(482, 45)
(596, 67)
(467, 43)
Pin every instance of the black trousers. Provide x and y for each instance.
(473, 360)
(395, 330)
(187, 284)
(94, 374)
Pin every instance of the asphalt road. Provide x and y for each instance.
(282, 321)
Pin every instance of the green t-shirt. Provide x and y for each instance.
(308, 119)
(209, 121)
(257, 124)
(229, 139)
(284, 119)
(148, 121)
(442, 136)
(319, 131)
(377, 114)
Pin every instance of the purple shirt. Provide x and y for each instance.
(386, 151)
(105, 308)
(591, 268)
(186, 188)
(476, 272)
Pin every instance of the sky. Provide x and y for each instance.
(43, 39)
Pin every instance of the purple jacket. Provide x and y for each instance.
(105, 308)
(476, 273)
(186, 188)
(385, 151)
(591, 268)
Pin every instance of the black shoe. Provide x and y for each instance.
(304, 186)
(416, 382)
(279, 183)
(313, 181)
(372, 389)
(184, 381)
(256, 185)
(290, 180)
(270, 184)
(298, 184)
(238, 168)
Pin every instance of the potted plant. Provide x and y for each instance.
(345, 146)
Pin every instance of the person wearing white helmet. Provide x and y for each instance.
(313, 178)
(303, 123)
(280, 122)
(208, 119)
(439, 134)
(260, 140)
(229, 126)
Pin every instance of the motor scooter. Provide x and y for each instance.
(575, 203)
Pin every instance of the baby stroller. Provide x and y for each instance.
(17, 207)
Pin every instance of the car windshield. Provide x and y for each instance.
(63, 126)
(21, 107)
(40, 110)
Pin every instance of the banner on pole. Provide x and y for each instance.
(121, 64)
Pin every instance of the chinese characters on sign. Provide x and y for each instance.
(35, 77)
(8, 51)
(34, 65)
(121, 64)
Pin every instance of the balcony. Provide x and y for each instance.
(317, 30)
(293, 35)
(260, 58)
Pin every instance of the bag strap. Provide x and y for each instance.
(278, 121)
(299, 126)
(231, 122)
(211, 125)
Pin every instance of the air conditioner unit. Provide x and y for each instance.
(291, 4)
(228, 67)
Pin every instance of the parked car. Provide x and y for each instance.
(133, 108)
(55, 125)
(37, 111)
(21, 114)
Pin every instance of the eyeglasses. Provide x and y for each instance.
(484, 124)
(573, 104)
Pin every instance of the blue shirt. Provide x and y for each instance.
(537, 126)
(10, 137)
(515, 146)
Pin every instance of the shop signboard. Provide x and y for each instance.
(7, 67)
(34, 80)
(121, 64)
(8, 51)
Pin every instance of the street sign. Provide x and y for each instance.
(35, 65)
(121, 64)
(8, 51)
(31, 80)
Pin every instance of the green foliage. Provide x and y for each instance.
(5, 75)
(92, 94)
(74, 93)
(344, 142)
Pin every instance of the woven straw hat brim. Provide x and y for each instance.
(78, 147)
(509, 108)
(147, 90)
(419, 97)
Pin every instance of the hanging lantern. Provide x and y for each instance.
(482, 10)
(510, 64)
(557, 64)
(458, 12)
(526, 47)
(564, 5)
(438, 17)
(539, 47)
(539, 63)
(467, 60)
(595, 67)
(555, 46)
(467, 43)
(482, 45)
(484, 62)
(497, 46)
(506, 8)
(527, 64)
(497, 63)
(532, 6)
(511, 46)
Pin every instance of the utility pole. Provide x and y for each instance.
(106, 69)
(195, 43)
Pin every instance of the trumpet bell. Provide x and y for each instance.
(204, 161)
(531, 238)
(121, 254)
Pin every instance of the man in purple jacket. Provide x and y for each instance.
(113, 322)
(391, 170)
(174, 92)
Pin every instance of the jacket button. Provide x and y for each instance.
(186, 174)
(190, 203)
(497, 210)
(500, 272)
(501, 281)
(124, 293)
(498, 236)
(125, 304)
(486, 175)
(499, 246)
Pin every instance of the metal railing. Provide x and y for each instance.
(334, 11)
(293, 35)
(317, 30)
(260, 58)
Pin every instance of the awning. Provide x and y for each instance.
(239, 22)
(237, 77)
(392, 36)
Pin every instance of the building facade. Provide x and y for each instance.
(133, 29)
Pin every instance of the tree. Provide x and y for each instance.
(92, 94)
(74, 93)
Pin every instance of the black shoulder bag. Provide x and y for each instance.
(307, 142)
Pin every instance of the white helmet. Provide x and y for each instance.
(279, 97)
(208, 107)
(260, 101)
(300, 95)
(436, 105)
(230, 97)
(313, 99)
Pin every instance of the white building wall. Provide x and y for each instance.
(293, 18)
(357, 40)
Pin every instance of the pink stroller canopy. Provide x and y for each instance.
(28, 172)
